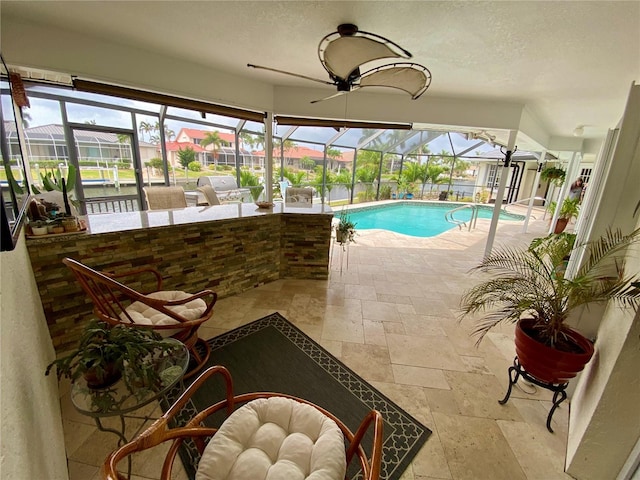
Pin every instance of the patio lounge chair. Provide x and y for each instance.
(164, 198)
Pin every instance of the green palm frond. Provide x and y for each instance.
(531, 282)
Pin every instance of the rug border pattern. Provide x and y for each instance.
(407, 433)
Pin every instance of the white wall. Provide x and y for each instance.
(604, 421)
(30, 424)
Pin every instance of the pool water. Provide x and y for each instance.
(417, 219)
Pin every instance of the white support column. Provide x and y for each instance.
(504, 173)
(268, 156)
(534, 189)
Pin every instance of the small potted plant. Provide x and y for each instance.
(345, 230)
(104, 353)
(39, 227)
(410, 189)
(528, 287)
(402, 188)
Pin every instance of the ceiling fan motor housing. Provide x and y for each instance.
(347, 29)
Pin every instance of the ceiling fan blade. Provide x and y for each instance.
(409, 77)
(343, 51)
(335, 95)
(290, 73)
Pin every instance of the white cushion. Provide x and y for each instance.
(275, 438)
(145, 315)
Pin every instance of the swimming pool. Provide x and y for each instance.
(418, 219)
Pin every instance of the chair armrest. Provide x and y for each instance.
(138, 271)
(159, 432)
(373, 418)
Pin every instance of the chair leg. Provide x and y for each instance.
(200, 353)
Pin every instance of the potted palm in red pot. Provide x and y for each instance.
(528, 287)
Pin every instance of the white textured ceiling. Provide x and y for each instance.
(570, 62)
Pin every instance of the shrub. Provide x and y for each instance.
(195, 166)
(155, 163)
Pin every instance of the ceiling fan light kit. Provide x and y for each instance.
(343, 52)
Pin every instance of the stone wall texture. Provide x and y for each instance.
(226, 256)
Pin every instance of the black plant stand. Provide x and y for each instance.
(558, 389)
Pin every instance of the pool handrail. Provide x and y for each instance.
(525, 201)
(448, 216)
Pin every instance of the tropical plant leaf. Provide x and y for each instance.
(531, 282)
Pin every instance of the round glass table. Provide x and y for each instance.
(129, 394)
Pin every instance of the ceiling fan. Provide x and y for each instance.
(344, 51)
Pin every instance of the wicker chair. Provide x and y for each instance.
(271, 432)
(164, 198)
(174, 314)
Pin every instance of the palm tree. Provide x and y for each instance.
(123, 139)
(168, 133)
(450, 159)
(247, 140)
(413, 172)
(248, 179)
(344, 178)
(330, 181)
(213, 139)
(433, 174)
(145, 127)
(334, 154)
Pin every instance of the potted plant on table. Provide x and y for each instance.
(528, 287)
(104, 353)
(39, 227)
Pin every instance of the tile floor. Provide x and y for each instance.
(391, 316)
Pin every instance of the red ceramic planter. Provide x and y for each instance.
(561, 224)
(548, 364)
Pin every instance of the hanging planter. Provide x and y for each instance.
(553, 174)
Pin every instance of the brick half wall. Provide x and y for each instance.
(227, 256)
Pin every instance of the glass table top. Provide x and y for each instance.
(129, 394)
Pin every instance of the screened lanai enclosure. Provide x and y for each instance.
(119, 140)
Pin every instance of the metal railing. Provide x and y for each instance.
(112, 204)
(524, 202)
(448, 216)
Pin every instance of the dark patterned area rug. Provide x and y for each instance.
(271, 354)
